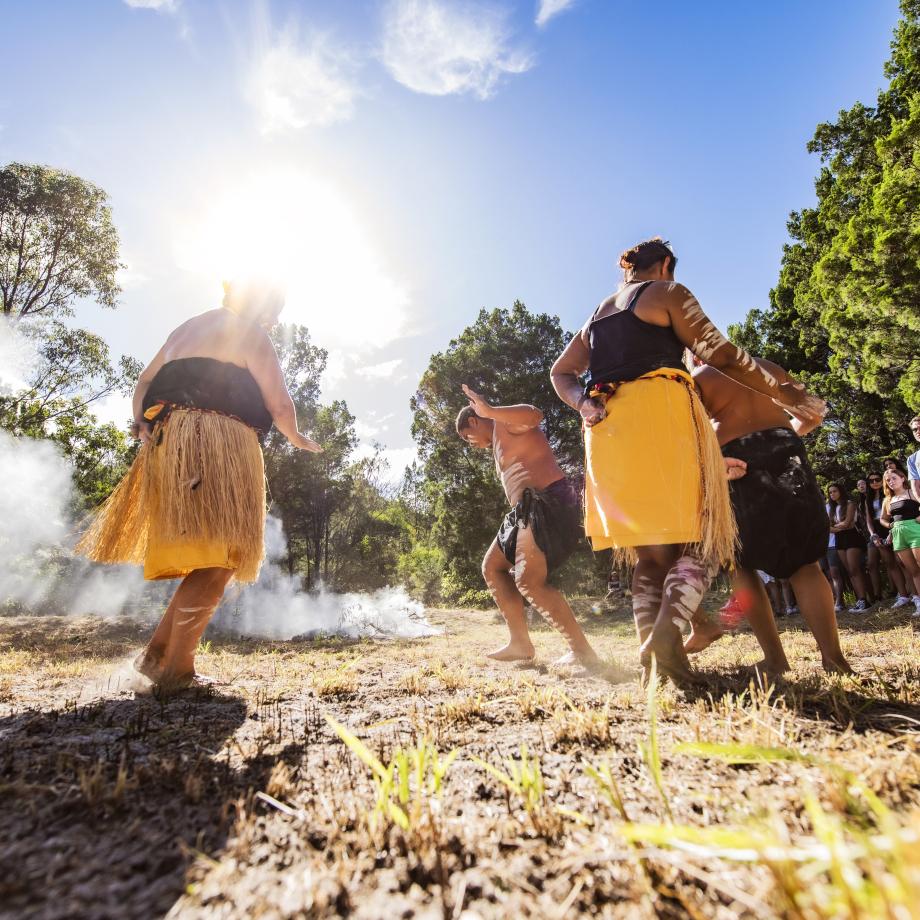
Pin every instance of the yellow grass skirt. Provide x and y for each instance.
(194, 498)
(654, 473)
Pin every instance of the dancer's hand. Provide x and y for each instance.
(734, 468)
(142, 430)
(304, 443)
(477, 402)
(801, 404)
(592, 411)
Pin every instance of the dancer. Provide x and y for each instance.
(537, 535)
(640, 406)
(782, 523)
(192, 506)
(901, 512)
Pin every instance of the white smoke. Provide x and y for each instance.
(18, 355)
(276, 608)
(38, 573)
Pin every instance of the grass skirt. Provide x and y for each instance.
(194, 498)
(654, 473)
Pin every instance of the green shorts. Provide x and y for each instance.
(905, 535)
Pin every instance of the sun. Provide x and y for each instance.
(302, 233)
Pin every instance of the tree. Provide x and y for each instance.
(863, 236)
(507, 356)
(57, 242)
(844, 316)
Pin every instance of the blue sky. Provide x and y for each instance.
(407, 162)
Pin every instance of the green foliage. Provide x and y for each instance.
(506, 355)
(406, 785)
(843, 316)
(57, 242)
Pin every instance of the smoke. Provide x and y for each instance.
(18, 355)
(275, 607)
(38, 572)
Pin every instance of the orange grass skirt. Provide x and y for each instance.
(194, 498)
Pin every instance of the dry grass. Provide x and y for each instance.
(561, 800)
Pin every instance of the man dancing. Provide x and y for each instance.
(782, 521)
(537, 535)
(192, 506)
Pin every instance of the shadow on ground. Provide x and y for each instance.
(105, 803)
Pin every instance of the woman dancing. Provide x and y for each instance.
(643, 422)
(192, 506)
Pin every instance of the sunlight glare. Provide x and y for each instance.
(301, 233)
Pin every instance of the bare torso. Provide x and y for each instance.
(217, 334)
(735, 409)
(523, 460)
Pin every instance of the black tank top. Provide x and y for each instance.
(205, 383)
(904, 509)
(623, 347)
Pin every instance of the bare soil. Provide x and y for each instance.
(243, 802)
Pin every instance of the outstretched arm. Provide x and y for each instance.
(265, 369)
(699, 334)
(518, 418)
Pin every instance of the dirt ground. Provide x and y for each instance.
(245, 802)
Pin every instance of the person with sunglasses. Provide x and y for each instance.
(879, 549)
(913, 461)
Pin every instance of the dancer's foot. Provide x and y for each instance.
(836, 666)
(666, 644)
(180, 682)
(587, 658)
(767, 670)
(150, 666)
(702, 635)
(513, 651)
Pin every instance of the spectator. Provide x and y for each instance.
(913, 461)
(879, 549)
(901, 512)
(848, 544)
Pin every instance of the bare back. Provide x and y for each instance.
(523, 459)
(735, 409)
(217, 334)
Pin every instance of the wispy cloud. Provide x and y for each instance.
(439, 47)
(296, 82)
(547, 9)
(379, 371)
(161, 6)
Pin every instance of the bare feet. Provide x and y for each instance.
(665, 643)
(514, 651)
(587, 659)
(842, 666)
(149, 665)
(767, 671)
(702, 635)
(180, 682)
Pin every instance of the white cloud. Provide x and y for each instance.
(440, 48)
(294, 84)
(379, 371)
(113, 408)
(161, 6)
(547, 9)
(128, 276)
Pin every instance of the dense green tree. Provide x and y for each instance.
(506, 355)
(844, 316)
(57, 242)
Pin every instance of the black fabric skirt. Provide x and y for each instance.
(554, 514)
(782, 519)
(849, 539)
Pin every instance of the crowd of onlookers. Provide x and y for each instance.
(874, 546)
